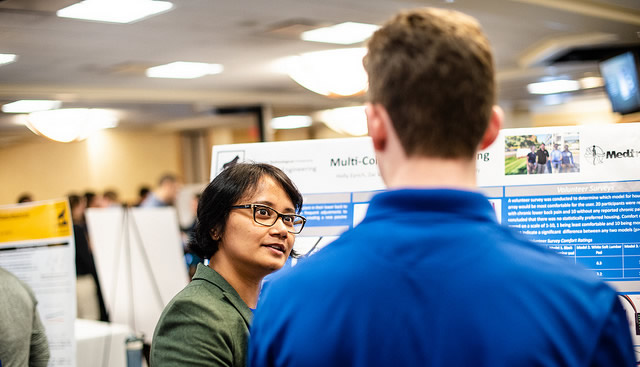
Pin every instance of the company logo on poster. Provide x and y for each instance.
(227, 159)
(596, 155)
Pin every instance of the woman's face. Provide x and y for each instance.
(253, 248)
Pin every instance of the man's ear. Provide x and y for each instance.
(493, 129)
(377, 124)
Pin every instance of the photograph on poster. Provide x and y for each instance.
(542, 153)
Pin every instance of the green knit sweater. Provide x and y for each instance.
(23, 341)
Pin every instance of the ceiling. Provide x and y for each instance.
(91, 64)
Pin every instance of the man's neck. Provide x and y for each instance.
(426, 172)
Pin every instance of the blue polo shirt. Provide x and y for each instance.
(429, 278)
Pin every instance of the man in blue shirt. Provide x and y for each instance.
(567, 160)
(556, 159)
(429, 278)
(165, 194)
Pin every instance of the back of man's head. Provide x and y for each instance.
(167, 179)
(168, 187)
(432, 70)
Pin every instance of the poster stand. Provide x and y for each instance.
(136, 340)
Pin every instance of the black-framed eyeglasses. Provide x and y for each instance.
(267, 216)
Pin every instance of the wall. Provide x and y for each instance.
(112, 159)
(125, 159)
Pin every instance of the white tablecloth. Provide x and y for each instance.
(100, 344)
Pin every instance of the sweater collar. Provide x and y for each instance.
(207, 274)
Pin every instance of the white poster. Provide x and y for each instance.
(140, 261)
(574, 189)
(37, 246)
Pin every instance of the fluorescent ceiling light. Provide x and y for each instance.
(7, 58)
(290, 122)
(71, 124)
(114, 11)
(344, 33)
(591, 82)
(553, 86)
(345, 120)
(334, 73)
(30, 105)
(184, 70)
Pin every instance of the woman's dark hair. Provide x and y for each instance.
(225, 190)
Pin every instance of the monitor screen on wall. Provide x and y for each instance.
(620, 74)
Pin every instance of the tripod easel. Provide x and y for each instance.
(135, 343)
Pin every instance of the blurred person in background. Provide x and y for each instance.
(143, 192)
(165, 194)
(92, 200)
(25, 198)
(90, 304)
(110, 199)
(192, 259)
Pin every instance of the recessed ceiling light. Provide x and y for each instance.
(344, 33)
(184, 70)
(7, 58)
(30, 105)
(114, 11)
(553, 86)
(290, 122)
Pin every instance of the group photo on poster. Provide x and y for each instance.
(542, 153)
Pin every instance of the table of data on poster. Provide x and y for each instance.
(596, 225)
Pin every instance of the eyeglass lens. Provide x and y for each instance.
(268, 217)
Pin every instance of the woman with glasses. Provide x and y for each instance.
(246, 225)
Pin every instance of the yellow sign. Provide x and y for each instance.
(35, 221)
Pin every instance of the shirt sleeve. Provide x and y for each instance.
(39, 350)
(614, 346)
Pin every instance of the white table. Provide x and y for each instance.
(100, 344)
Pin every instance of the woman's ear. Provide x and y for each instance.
(214, 234)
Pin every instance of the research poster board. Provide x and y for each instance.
(583, 202)
(37, 245)
(139, 257)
